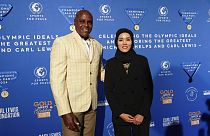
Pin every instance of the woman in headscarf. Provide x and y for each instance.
(128, 88)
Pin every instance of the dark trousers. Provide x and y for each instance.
(132, 130)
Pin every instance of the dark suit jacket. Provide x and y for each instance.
(130, 93)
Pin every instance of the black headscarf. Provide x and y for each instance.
(125, 57)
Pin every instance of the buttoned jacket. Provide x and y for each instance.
(73, 76)
(131, 92)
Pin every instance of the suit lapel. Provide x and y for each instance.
(81, 45)
(92, 49)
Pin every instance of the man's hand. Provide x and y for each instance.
(138, 119)
(71, 122)
(127, 118)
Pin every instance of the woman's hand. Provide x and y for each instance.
(127, 118)
(138, 119)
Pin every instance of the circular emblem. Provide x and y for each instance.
(4, 94)
(35, 7)
(72, 27)
(110, 129)
(40, 72)
(136, 27)
(163, 11)
(189, 27)
(105, 9)
(191, 93)
(165, 65)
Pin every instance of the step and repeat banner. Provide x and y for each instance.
(173, 34)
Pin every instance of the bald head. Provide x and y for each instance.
(83, 23)
(81, 12)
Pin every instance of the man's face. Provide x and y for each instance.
(83, 24)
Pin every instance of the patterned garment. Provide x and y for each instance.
(126, 67)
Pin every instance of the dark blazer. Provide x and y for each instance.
(130, 93)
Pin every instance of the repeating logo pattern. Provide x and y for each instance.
(6, 79)
(165, 68)
(41, 76)
(105, 13)
(188, 17)
(9, 112)
(171, 121)
(163, 15)
(110, 129)
(43, 109)
(35, 7)
(163, 10)
(105, 9)
(136, 16)
(167, 96)
(194, 117)
(190, 68)
(69, 13)
(191, 93)
(5, 10)
(40, 72)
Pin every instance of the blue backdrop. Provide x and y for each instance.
(173, 34)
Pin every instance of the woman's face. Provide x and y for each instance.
(124, 42)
